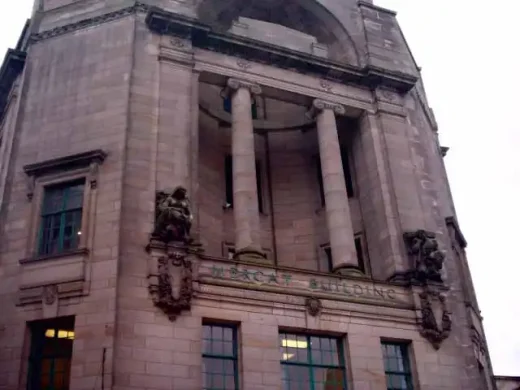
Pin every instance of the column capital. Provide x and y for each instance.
(235, 84)
(319, 105)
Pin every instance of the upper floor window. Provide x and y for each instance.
(228, 175)
(349, 183)
(312, 362)
(397, 366)
(51, 354)
(61, 214)
(360, 253)
(254, 107)
(219, 357)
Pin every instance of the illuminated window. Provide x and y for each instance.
(312, 362)
(397, 366)
(61, 215)
(51, 353)
(219, 357)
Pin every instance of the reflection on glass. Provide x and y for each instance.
(219, 365)
(311, 362)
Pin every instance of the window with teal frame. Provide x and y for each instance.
(61, 212)
(51, 354)
(219, 357)
(312, 362)
(397, 366)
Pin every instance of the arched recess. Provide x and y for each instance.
(306, 16)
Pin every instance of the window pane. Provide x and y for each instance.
(296, 377)
(74, 198)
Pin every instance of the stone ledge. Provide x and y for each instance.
(55, 269)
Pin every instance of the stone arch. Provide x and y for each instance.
(306, 16)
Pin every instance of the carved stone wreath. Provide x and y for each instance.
(430, 328)
(163, 295)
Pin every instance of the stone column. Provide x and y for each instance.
(245, 198)
(341, 234)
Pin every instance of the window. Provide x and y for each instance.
(61, 214)
(51, 353)
(312, 362)
(219, 357)
(228, 173)
(360, 253)
(320, 181)
(358, 242)
(397, 366)
(254, 108)
(346, 172)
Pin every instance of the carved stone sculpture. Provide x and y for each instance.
(434, 329)
(423, 247)
(170, 302)
(173, 216)
(313, 306)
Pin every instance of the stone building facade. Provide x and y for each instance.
(205, 194)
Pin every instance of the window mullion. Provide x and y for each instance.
(311, 368)
(62, 219)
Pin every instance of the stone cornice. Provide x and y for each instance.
(201, 35)
(12, 66)
(451, 221)
(89, 22)
(366, 4)
(80, 160)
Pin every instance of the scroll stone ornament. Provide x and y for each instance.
(434, 328)
(428, 259)
(173, 216)
(171, 267)
(235, 84)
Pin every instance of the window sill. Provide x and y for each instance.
(61, 255)
(56, 269)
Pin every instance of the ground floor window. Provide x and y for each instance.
(397, 366)
(219, 357)
(312, 362)
(51, 354)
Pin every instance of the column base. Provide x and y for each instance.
(349, 271)
(250, 254)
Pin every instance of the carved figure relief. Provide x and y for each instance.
(50, 294)
(313, 306)
(173, 217)
(435, 325)
(428, 259)
(174, 273)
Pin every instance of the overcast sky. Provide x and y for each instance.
(469, 53)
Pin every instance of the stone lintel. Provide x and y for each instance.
(79, 160)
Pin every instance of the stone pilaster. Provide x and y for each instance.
(245, 197)
(341, 234)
